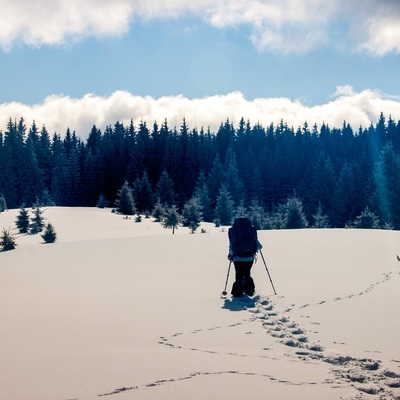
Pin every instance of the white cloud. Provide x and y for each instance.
(53, 22)
(278, 25)
(58, 113)
(383, 36)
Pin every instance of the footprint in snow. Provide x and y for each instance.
(363, 374)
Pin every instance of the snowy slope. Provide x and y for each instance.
(126, 310)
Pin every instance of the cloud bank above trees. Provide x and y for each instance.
(279, 25)
(58, 113)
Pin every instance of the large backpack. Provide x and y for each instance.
(243, 238)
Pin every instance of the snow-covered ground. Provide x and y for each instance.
(126, 310)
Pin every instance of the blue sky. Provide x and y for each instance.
(92, 62)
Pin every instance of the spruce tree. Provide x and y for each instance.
(277, 218)
(49, 235)
(257, 215)
(347, 199)
(224, 211)
(165, 190)
(158, 211)
(192, 215)
(215, 180)
(46, 199)
(367, 220)
(90, 179)
(171, 219)
(323, 184)
(143, 194)
(31, 173)
(386, 195)
(241, 210)
(8, 176)
(125, 204)
(203, 196)
(37, 221)
(3, 204)
(232, 179)
(320, 219)
(102, 202)
(22, 222)
(73, 178)
(294, 216)
(58, 172)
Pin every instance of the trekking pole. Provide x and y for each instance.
(267, 271)
(223, 294)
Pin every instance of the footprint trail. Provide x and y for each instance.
(364, 374)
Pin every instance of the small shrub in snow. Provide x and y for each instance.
(7, 241)
(49, 235)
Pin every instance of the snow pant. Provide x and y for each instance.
(244, 282)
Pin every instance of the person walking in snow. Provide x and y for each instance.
(243, 246)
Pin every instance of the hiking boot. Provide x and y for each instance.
(237, 289)
(249, 286)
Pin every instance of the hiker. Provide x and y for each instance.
(243, 246)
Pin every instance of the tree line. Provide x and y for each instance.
(331, 174)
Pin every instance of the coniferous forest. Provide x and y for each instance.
(330, 177)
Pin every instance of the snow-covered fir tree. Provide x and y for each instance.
(172, 219)
(125, 204)
(321, 220)
(257, 215)
(294, 216)
(224, 211)
(202, 194)
(37, 220)
(158, 211)
(143, 194)
(165, 190)
(367, 220)
(23, 222)
(192, 215)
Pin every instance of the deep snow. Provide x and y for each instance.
(126, 310)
